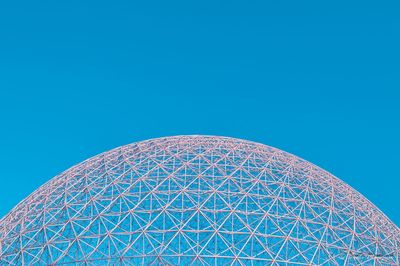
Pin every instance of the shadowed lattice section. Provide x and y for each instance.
(197, 200)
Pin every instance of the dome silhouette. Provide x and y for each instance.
(200, 200)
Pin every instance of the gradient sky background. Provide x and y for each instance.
(320, 80)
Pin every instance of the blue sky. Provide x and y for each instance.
(320, 80)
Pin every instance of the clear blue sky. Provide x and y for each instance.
(320, 80)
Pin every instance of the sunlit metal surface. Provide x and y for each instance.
(199, 200)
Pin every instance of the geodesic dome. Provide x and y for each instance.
(197, 200)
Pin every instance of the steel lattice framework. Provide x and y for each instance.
(197, 200)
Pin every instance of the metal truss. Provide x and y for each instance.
(198, 200)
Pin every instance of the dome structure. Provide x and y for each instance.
(199, 200)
